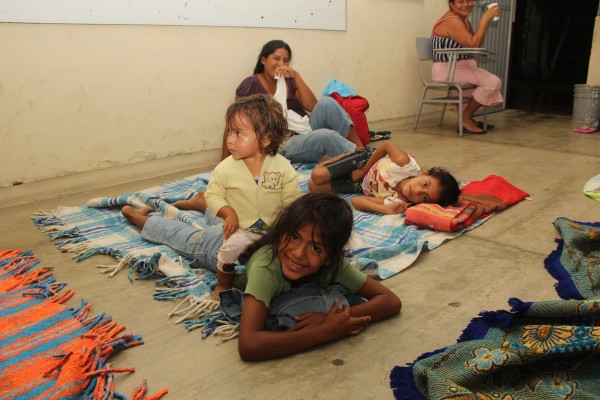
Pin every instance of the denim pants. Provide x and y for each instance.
(283, 308)
(201, 246)
(330, 125)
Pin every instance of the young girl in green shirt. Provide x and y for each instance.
(305, 249)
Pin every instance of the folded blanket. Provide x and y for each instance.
(460, 216)
(436, 217)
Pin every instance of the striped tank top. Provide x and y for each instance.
(441, 42)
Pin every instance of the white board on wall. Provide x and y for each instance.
(299, 14)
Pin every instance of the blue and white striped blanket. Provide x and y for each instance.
(382, 245)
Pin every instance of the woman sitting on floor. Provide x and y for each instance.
(332, 129)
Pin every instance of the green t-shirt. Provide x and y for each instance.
(264, 279)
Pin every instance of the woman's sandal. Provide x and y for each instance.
(488, 127)
(470, 132)
(381, 135)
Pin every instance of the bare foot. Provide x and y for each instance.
(196, 203)
(471, 125)
(145, 210)
(136, 216)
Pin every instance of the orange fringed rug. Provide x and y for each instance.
(50, 351)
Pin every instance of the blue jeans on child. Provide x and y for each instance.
(283, 308)
(199, 245)
(330, 125)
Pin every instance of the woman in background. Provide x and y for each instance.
(453, 31)
(332, 129)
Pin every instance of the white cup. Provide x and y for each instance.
(493, 5)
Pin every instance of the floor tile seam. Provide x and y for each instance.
(506, 245)
(482, 139)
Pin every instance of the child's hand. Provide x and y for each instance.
(307, 320)
(230, 225)
(396, 207)
(485, 203)
(340, 323)
(219, 289)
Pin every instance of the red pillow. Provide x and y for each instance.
(497, 186)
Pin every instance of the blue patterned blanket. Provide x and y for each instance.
(537, 350)
(382, 245)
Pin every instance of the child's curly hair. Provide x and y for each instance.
(266, 117)
(449, 184)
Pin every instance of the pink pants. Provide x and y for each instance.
(487, 92)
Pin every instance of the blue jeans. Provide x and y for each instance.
(283, 308)
(201, 246)
(330, 125)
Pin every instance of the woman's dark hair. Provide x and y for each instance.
(450, 188)
(330, 217)
(268, 49)
(266, 117)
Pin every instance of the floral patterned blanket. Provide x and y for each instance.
(537, 350)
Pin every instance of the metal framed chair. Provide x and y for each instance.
(425, 55)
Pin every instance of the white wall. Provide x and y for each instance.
(299, 14)
(76, 98)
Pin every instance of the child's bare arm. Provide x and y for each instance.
(224, 282)
(381, 301)
(255, 343)
(377, 205)
(398, 156)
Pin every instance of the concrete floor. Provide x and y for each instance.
(440, 292)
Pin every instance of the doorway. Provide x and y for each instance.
(551, 45)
